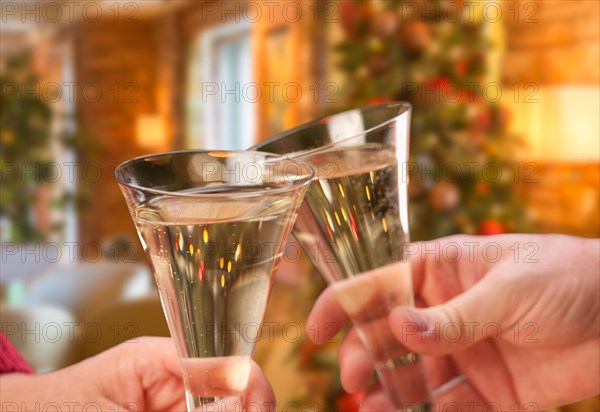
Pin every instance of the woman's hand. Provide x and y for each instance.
(136, 376)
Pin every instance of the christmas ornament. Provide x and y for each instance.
(460, 68)
(459, 3)
(379, 100)
(433, 90)
(386, 23)
(444, 196)
(415, 36)
(491, 227)
(482, 187)
(355, 17)
(378, 63)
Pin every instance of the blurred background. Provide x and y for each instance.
(505, 138)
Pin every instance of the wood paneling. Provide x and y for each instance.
(119, 61)
(552, 42)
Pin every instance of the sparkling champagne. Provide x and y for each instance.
(349, 221)
(214, 272)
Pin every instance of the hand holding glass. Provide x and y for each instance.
(214, 225)
(354, 226)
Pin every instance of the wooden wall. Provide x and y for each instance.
(552, 42)
(120, 60)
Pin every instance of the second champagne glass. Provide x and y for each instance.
(354, 226)
(214, 225)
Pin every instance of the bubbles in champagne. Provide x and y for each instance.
(351, 211)
(214, 273)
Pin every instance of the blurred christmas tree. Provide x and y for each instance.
(463, 169)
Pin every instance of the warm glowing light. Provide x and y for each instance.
(201, 270)
(221, 262)
(229, 267)
(222, 280)
(151, 132)
(368, 192)
(384, 222)
(179, 241)
(344, 214)
(337, 217)
(205, 235)
(238, 252)
(329, 232)
(191, 249)
(354, 227)
(220, 154)
(341, 190)
(372, 174)
(329, 222)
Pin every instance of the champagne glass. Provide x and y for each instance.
(214, 225)
(354, 226)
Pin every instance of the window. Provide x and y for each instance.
(220, 113)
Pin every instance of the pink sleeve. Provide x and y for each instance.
(10, 360)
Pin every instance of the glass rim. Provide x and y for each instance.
(406, 106)
(302, 181)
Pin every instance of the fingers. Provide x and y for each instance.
(259, 391)
(444, 267)
(454, 325)
(165, 347)
(375, 400)
(356, 365)
(326, 317)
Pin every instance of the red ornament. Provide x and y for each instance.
(483, 119)
(386, 23)
(491, 227)
(482, 187)
(355, 17)
(349, 402)
(379, 100)
(434, 90)
(444, 196)
(438, 83)
(378, 63)
(460, 68)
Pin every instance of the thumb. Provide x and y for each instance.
(475, 315)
